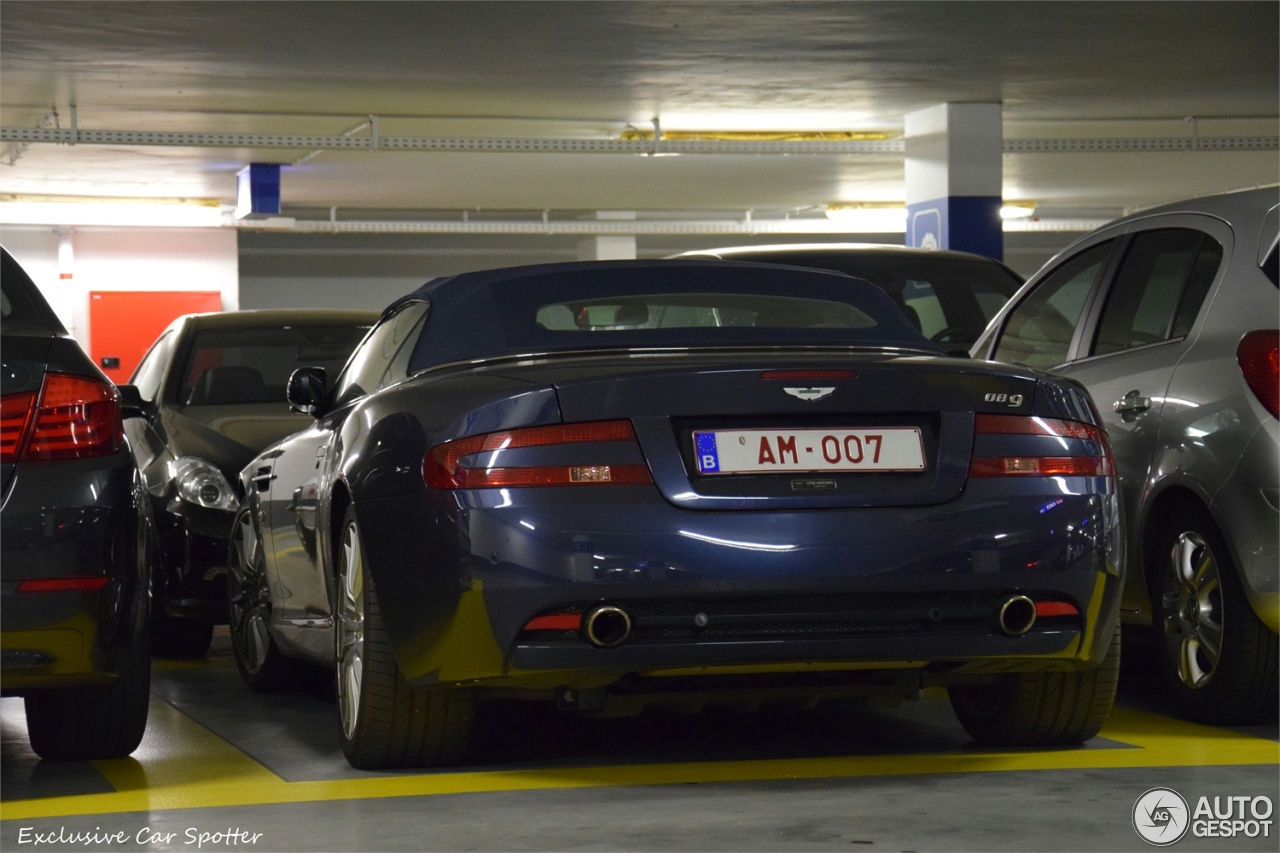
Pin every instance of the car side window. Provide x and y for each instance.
(406, 334)
(1038, 332)
(150, 370)
(369, 362)
(1203, 271)
(1158, 289)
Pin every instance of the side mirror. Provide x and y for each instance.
(306, 390)
(131, 403)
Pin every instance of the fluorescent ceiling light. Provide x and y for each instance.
(114, 213)
(1016, 211)
(762, 120)
(873, 220)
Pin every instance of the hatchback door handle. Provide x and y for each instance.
(1131, 403)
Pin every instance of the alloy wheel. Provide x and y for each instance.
(1192, 610)
(350, 629)
(249, 597)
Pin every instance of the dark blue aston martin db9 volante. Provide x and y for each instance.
(677, 482)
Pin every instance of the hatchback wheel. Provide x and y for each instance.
(1217, 660)
(1040, 708)
(385, 722)
(261, 663)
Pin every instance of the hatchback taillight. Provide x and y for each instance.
(1259, 357)
(1058, 463)
(74, 417)
(443, 469)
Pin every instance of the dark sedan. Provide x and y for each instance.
(211, 395)
(948, 296)
(611, 485)
(76, 541)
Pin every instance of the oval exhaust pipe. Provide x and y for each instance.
(606, 626)
(1016, 616)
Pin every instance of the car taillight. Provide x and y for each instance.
(15, 411)
(1058, 465)
(75, 418)
(1259, 357)
(442, 468)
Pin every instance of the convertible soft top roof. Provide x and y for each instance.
(481, 314)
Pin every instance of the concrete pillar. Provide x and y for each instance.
(954, 178)
(609, 247)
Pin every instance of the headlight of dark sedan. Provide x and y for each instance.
(201, 483)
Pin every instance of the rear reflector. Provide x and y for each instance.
(62, 584)
(1055, 608)
(556, 622)
(809, 374)
(15, 411)
(1259, 357)
(442, 468)
(1040, 466)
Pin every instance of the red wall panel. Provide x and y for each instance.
(124, 323)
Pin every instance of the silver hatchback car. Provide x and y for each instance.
(1169, 318)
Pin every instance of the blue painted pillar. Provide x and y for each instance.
(954, 177)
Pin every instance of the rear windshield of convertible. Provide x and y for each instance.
(652, 304)
(604, 313)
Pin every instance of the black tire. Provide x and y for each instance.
(1198, 606)
(261, 663)
(178, 638)
(382, 721)
(1040, 708)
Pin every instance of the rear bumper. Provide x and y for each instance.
(54, 639)
(458, 583)
(71, 519)
(1247, 508)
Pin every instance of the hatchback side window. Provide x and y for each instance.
(370, 360)
(1038, 332)
(150, 371)
(1158, 290)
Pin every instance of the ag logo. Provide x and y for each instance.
(1160, 816)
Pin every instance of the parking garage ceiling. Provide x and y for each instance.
(538, 71)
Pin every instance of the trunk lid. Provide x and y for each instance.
(787, 403)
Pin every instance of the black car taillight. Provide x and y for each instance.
(74, 417)
(1259, 357)
(1057, 465)
(15, 412)
(442, 468)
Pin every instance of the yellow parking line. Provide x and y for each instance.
(184, 765)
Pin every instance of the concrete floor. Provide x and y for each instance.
(218, 758)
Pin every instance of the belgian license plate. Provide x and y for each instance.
(761, 451)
